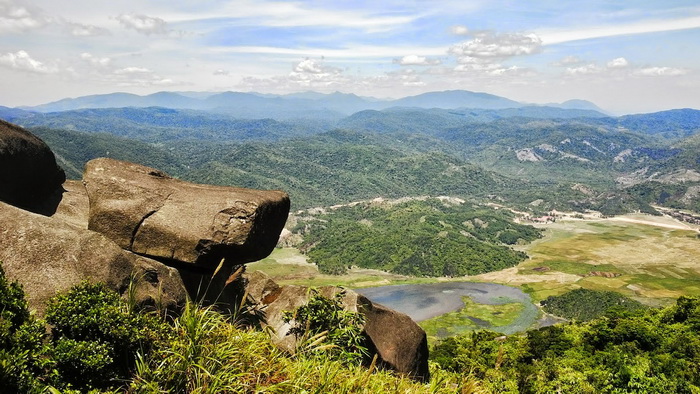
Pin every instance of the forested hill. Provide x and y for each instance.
(418, 237)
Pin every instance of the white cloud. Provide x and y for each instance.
(143, 24)
(15, 16)
(21, 60)
(351, 52)
(660, 72)
(557, 36)
(139, 77)
(587, 69)
(221, 71)
(619, 62)
(312, 73)
(95, 61)
(415, 60)
(133, 70)
(297, 14)
(103, 70)
(309, 66)
(81, 30)
(317, 75)
(497, 46)
(459, 30)
(484, 53)
(568, 61)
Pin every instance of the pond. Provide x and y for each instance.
(428, 300)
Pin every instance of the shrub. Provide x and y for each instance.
(323, 324)
(96, 337)
(23, 357)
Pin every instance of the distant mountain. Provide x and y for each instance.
(156, 124)
(676, 123)
(117, 100)
(10, 114)
(451, 99)
(578, 104)
(305, 105)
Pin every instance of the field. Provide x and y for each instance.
(289, 266)
(652, 259)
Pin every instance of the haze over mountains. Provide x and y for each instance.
(305, 105)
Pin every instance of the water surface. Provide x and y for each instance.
(428, 300)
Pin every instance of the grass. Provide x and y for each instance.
(288, 266)
(461, 321)
(653, 264)
(209, 354)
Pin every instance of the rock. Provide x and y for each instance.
(148, 212)
(74, 207)
(398, 341)
(47, 255)
(28, 171)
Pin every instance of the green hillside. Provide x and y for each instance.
(417, 238)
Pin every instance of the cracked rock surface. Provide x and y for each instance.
(152, 214)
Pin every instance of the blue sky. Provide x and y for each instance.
(626, 57)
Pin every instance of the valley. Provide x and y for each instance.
(515, 173)
(491, 216)
(652, 259)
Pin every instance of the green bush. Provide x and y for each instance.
(323, 325)
(584, 304)
(23, 354)
(96, 338)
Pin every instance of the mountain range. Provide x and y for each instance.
(326, 149)
(296, 105)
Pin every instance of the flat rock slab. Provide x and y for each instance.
(150, 213)
(47, 255)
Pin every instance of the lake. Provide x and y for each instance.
(427, 300)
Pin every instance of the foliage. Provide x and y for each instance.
(323, 325)
(94, 331)
(418, 238)
(23, 354)
(326, 167)
(585, 304)
(649, 351)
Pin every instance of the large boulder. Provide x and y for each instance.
(147, 212)
(47, 255)
(399, 342)
(28, 171)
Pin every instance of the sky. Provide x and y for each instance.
(624, 56)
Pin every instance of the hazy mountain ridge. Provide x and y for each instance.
(243, 104)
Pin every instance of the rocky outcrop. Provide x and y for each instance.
(29, 174)
(147, 212)
(160, 240)
(399, 342)
(47, 255)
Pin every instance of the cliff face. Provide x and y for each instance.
(177, 239)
